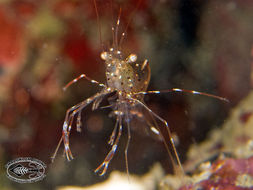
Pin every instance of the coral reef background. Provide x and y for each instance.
(198, 45)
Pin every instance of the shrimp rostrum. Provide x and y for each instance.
(127, 79)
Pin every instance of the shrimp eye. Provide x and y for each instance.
(132, 58)
(104, 55)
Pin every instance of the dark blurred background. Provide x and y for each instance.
(191, 44)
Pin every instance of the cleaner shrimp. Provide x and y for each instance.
(127, 79)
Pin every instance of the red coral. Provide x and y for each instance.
(227, 174)
(11, 42)
(24, 9)
(77, 47)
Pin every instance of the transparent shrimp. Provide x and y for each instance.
(128, 80)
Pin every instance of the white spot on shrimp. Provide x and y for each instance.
(177, 89)
(132, 58)
(195, 92)
(153, 129)
(65, 126)
(66, 147)
(114, 148)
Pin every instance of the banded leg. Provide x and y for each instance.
(96, 103)
(65, 131)
(159, 132)
(80, 77)
(168, 130)
(141, 117)
(110, 155)
(78, 122)
(113, 135)
(186, 91)
(67, 125)
(128, 141)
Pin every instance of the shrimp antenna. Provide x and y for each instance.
(99, 25)
(117, 29)
(112, 27)
(129, 21)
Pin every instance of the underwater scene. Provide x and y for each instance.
(126, 94)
